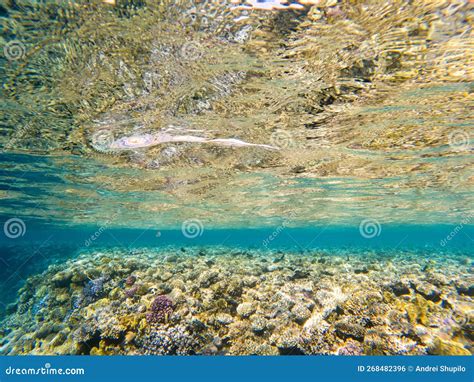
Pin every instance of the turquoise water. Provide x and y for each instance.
(401, 237)
(73, 190)
(44, 245)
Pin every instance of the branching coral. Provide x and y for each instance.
(160, 310)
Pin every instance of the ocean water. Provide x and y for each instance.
(264, 178)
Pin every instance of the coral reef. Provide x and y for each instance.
(160, 310)
(93, 290)
(218, 300)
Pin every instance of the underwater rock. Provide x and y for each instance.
(62, 279)
(288, 342)
(400, 288)
(224, 319)
(131, 292)
(130, 280)
(300, 313)
(465, 287)
(442, 347)
(93, 290)
(245, 309)
(169, 341)
(348, 328)
(259, 324)
(351, 347)
(428, 291)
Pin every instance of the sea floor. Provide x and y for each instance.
(230, 301)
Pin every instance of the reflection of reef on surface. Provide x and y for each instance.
(225, 301)
(214, 65)
(349, 91)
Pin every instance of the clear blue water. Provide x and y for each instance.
(44, 245)
(401, 237)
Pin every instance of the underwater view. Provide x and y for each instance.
(255, 177)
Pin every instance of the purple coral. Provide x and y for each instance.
(93, 290)
(130, 293)
(161, 308)
(130, 280)
(351, 348)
